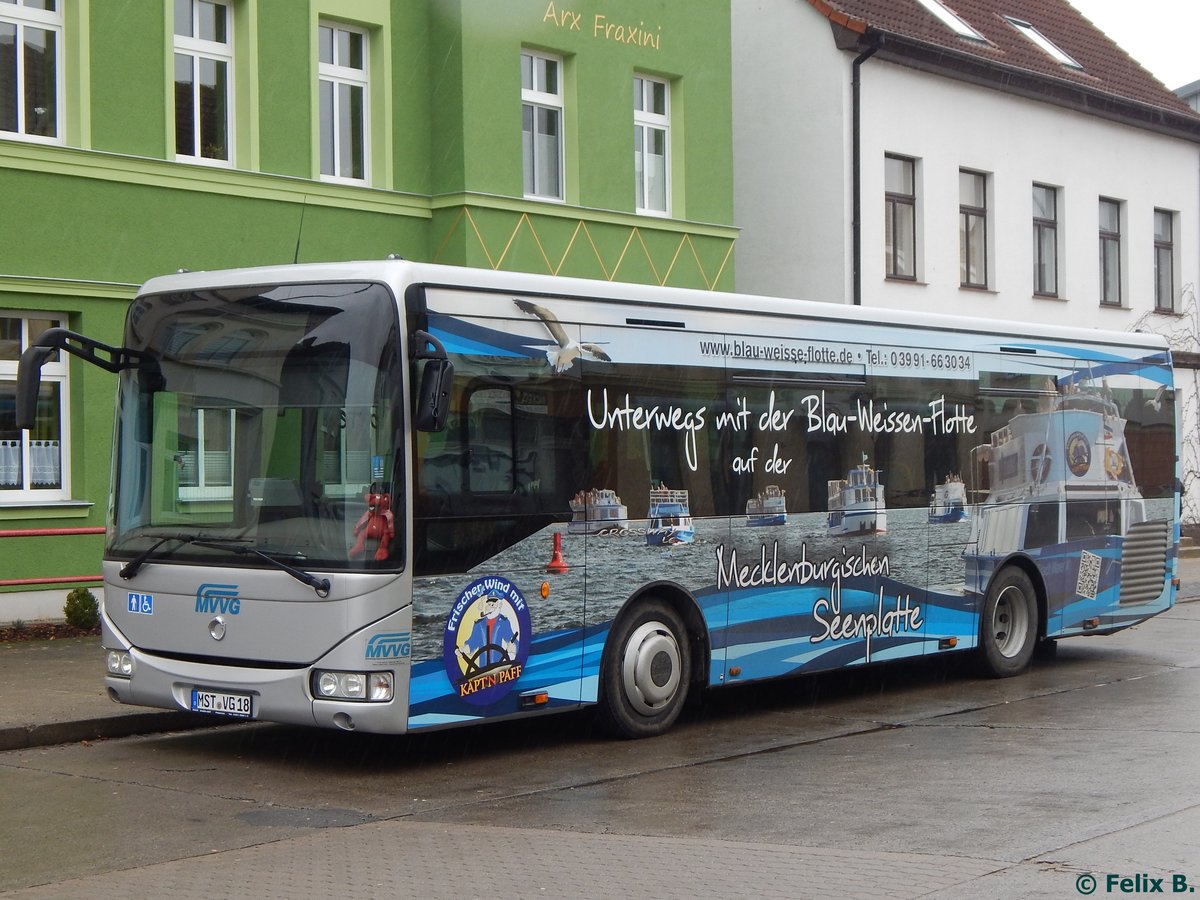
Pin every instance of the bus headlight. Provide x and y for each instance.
(119, 662)
(371, 687)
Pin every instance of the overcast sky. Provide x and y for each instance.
(1159, 34)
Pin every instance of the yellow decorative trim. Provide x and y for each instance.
(524, 220)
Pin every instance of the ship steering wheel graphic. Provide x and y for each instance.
(472, 665)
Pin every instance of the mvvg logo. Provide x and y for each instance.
(394, 645)
(218, 598)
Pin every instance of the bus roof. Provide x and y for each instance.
(400, 273)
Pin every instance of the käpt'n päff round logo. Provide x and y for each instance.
(486, 641)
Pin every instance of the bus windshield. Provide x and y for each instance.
(268, 420)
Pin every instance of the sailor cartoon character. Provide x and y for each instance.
(492, 641)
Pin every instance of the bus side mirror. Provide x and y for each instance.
(433, 398)
(29, 383)
(433, 402)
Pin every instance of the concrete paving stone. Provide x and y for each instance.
(437, 860)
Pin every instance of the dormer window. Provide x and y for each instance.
(1047, 46)
(951, 21)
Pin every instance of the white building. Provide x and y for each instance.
(1003, 159)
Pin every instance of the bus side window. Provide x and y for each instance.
(1041, 528)
(491, 468)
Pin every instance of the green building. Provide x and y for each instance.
(588, 138)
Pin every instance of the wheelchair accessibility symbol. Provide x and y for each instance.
(143, 604)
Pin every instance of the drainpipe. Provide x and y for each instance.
(856, 162)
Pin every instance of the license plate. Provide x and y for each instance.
(221, 704)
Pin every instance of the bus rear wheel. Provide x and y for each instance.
(647, 671)
(1008, 626)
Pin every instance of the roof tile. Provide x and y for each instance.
(1105, 66)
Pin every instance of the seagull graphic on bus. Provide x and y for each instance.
(564, 355)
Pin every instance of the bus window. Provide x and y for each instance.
(490, 441)
(1041, 525)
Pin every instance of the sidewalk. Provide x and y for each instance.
(52, 692)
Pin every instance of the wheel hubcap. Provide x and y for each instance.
(1010, 622)
(650, 667)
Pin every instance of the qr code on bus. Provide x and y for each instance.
(1089, 575)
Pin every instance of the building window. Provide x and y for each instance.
(1044, 43)
(951, 20)
(1110, 252)
(972, 229)
(203, 81)
(1045, 240)
(651, 144)
(900, 217)
(30, 69)
(1164, 260)
(31, 462)
(343, 97)
(541, 126)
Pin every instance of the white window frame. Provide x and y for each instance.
(24, 17)
(1169, 247)
(906, 203)
(1113, 239)
(197, 49)
(54, 371)
(971, 212)
(533, 100)
(1052, 225)
(644, 122)
(339, 75)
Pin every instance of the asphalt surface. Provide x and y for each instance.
(52, 692)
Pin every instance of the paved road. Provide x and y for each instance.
(901, 781)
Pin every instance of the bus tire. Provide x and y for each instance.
(1008, 626)
(647, 671)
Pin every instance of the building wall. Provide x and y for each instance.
(793, 201)
(792, 153)
(1085, 157)
(93, 214)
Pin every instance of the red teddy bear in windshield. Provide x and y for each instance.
(377, 524)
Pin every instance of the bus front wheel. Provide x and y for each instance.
(647, 671)
(1009, 624)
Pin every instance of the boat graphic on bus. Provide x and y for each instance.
(596, 510)
(856, 502)
(949, 501)
(1063, 492)
(670, 518)
(768, 508)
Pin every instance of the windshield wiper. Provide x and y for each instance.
(131, 568)
(320, 585)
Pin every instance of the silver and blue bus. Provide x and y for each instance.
(385, 496)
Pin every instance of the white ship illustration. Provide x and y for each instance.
(856, 503)
(597, 510)
(670, 518)
(768, 508)
(949, 501)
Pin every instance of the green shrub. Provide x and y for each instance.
(81, 609)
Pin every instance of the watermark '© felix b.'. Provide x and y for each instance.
(1133, 884)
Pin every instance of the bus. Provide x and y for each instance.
(386, 496)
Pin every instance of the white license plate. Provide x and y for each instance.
(221, 704)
